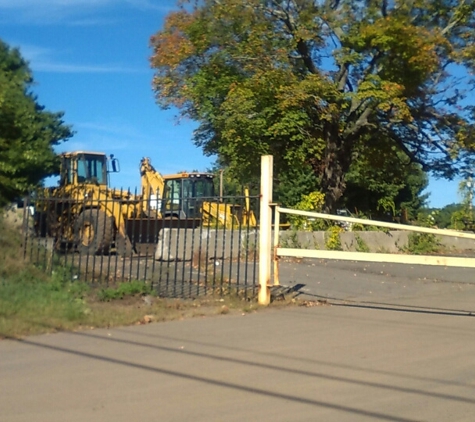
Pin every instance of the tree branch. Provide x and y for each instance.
(360, 122)
(455, 21)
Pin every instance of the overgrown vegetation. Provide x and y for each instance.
(422, 244)
(30, 300)
(291, 240)
(122, 290)
(34, 301)
(361, 245)
(332, 238)
(31, 303)
(312, 202)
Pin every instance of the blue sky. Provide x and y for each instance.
(90, 59)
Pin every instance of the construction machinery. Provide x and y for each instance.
(82, 212)
(85, 214)
(191, 195)
(176, 196)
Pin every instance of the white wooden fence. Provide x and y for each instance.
(272, 250)
(448, 261)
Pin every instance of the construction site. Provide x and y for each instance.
(173, 231)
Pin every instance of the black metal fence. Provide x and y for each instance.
(183, 247)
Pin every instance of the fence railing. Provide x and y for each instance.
(184, 248)
(367, 256)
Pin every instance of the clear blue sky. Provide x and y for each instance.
(90, 59)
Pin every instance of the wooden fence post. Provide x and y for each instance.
(265, 230)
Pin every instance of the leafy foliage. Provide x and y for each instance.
(361, 245)
(442, 217)
(27, 131)
(293, 183)
(332, 238)
(313, 82)
(464, 218)
(311, 202)
(422, 243)
(382, 182)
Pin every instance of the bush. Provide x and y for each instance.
(332, 238)
(312, 202)
(422, 243)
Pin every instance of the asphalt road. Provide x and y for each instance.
(445, 288)
(401, 353)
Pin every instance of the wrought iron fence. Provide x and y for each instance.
(183, 247)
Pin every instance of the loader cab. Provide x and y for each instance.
(185, 192)
(84, 168)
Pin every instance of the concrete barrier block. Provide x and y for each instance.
(204, 244)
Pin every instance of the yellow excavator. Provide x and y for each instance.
(191, 195)
(85, 214)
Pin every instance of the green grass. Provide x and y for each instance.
(361, 245)
(33, 301)
(123, 290)
(33, 305)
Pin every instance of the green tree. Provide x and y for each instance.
(27, 131)
(383, 182)
(443, 217)
(307, 80)
(289, 185)
(292, 184)
(463, 218)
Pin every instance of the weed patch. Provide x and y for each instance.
(35, 301)
(422, 243)
(332, 238)
(122, 290)
(361, 245)
(30, 303)
(291, 240)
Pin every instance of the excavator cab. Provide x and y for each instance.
(85, 168)
(184, 194)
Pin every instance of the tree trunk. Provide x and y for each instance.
(336, 163)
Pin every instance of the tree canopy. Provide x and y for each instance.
(312, 81)
(27, 131)
(383, 182)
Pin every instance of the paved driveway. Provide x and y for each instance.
(432, 287)
(327, 363)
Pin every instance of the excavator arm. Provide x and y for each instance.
(153, 185)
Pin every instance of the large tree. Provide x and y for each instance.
(310, 80)
(27, 131)
(383, 182)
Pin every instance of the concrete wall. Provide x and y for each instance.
(387, 242)
(206, 244)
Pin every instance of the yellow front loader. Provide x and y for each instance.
(84, 214)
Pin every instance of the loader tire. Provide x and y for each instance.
(94, 232)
